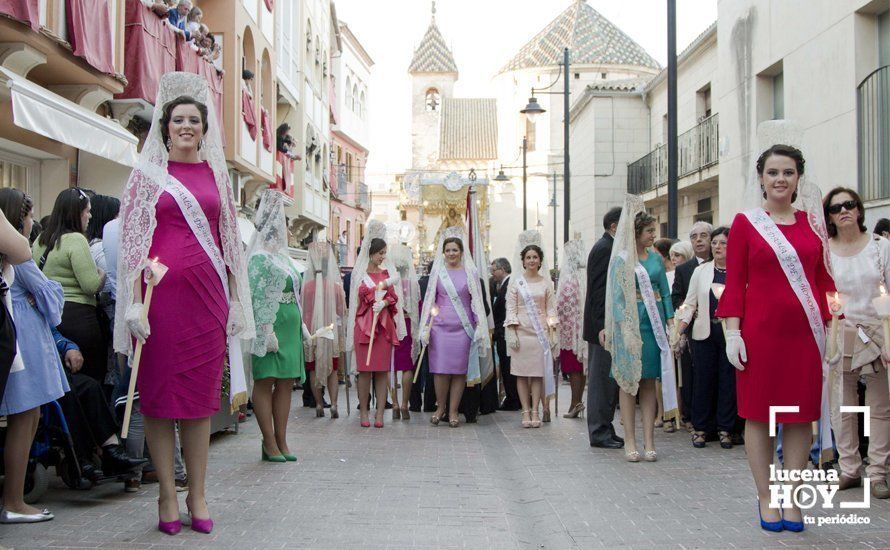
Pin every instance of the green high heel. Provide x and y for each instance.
(289, 457)
(273, 458)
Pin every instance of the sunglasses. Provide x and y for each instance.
(848, 205)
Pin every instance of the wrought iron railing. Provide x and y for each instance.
(697, 149)
(341, 180)
(873, 134)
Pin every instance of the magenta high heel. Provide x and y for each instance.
(202, 525)
(168, 527)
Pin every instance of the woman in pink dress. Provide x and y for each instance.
(179, 210)
(374, 308)
(774, 342)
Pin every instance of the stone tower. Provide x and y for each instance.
(433, 74)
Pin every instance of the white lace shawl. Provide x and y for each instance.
(571, 292)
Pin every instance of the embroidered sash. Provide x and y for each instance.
(473, 373)
(668, 380)
(794, 272)
(532, 309)
(200, 226)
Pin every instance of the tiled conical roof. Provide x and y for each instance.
(592, 39)
(433, 54)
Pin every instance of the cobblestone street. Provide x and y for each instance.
(412, 485)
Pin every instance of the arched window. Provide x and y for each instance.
(433, 100)
(349, 97)
(308, 36)
(361, 106)
(355, 102)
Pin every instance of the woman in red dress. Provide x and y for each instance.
(780, 360)
(375, 294)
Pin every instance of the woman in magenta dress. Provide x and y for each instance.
(458, 334)
(374, 292)
(184, 205)
(774, 343)
(406, 353)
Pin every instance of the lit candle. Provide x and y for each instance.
(882, 306)
(835, 306)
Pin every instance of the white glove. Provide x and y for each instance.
(392, 280)
(674, 341)
(271, 343)
(378, 306)
(511, 338)
(735, 349)
(235, 323)
(137, 324)
(425, 336)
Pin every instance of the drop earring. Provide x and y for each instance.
(201, 144)
(169, 144)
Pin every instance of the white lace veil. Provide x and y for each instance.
(571, 295)
(403, 258)
(375, 230)
(323, 305)
(144, 187)
(268, 265)
(531, 236)
(477, 303)
(622, 327)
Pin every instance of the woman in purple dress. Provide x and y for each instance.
(178, 209)
(458, 335)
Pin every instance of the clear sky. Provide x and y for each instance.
(483, 35)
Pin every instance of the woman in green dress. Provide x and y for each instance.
(639, 315)
(277, 351)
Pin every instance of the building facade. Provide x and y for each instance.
(350, 200)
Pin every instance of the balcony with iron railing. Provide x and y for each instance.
(364, 198)
(873, 134)
(697, 149)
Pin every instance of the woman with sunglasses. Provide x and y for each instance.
(861, 264)
(62, 252)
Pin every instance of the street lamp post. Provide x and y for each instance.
(533, 109)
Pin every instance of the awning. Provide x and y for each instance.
(39, 110)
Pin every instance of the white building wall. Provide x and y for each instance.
(824, 49)
(316, 27)
(353, 116)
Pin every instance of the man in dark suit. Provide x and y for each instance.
(602, 391)
(700, 236)
(500, 275)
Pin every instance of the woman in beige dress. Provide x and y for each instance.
(530, 331)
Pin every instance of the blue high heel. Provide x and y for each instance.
(774, 526)
(793, 526)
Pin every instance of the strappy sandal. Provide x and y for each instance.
(434, 420)
(574, 411)
(319, 412)
(546, 416)
(526, 423)
(632, 456)
(405, 414)
(725, 440)
(670, 427)
(698, 440)
(396, 413)
(536, 420)
(453, 422)
(650, 456)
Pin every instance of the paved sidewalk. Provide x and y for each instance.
(412, 485)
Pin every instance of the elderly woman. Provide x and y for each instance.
(713, 398)
(861, 263)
